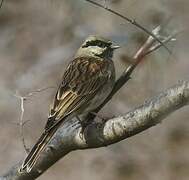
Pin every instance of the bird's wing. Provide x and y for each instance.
(82, 80)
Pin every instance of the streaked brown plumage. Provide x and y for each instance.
(86, 82)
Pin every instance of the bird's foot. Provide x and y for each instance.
(102, 119)
(83, 124)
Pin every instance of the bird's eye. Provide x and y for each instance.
(100, 44)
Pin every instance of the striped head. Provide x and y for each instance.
(97, 46)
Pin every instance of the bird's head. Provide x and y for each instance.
(97, 46)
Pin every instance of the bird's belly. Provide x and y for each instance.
(100, 97)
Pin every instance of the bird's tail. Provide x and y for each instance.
(33, 156)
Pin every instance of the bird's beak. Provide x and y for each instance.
(115, 47)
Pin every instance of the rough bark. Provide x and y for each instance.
(70, 137)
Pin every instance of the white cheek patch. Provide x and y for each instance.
(97, 50)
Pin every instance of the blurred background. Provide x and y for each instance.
(38, 38)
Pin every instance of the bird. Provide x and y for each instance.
(86, 83)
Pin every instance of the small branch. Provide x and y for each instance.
(170, 38)
(21, 121)
(131, 21)
(1, 4)
(38, 90)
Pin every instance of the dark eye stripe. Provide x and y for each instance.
(96, 43)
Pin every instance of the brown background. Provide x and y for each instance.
(37, 38)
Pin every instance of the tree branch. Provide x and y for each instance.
(21, 123)
(1, 4)
(68, 138)
(131, 21)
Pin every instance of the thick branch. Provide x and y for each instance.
(69, 138)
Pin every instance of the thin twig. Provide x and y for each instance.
(105, 3)
(131, 21)
(1, 5)
(38, 90)
(21, 121)
(166, 40)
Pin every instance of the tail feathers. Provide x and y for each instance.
(33, 156)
